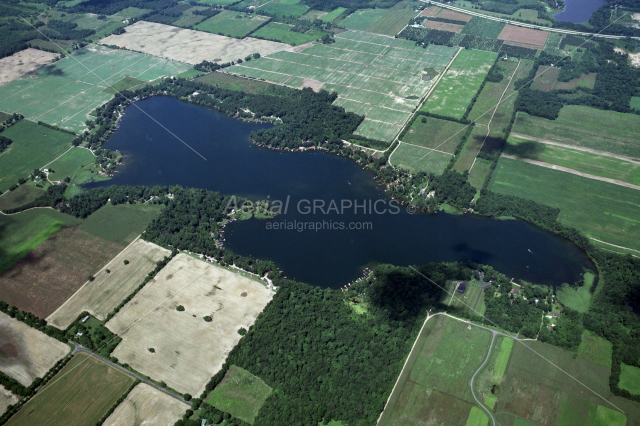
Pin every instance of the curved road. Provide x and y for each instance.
(80, 348)
(480, 403)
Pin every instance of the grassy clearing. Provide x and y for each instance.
(232, 23)
(70, 164)
(435, 133)
(282, 32)
(502, 360)
(80, 394)
(392, 22)
(601, 210)
(583, 126)
(362, 19)
(122, 223)
(608, 417)
(545, 78)
(585, 80)
(483, 27)
(635, 102)
(233, 82)
(578, 298)
(630, 379)
(33, 146)
(418, 159)
(585, 162)
(460, 83)
(240, 394)
(479, 173)
(20, 196)
(335, 13)
(595, 349)
(477, 417)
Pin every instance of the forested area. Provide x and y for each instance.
(4, 143)
(110, 7)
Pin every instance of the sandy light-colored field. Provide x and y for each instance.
(146, 406)
(189, 46)
(430, 11)
(109, 289)
(523, 35)
(26, 353)
(456, 16)
(15, 66)
(6, 399)
(187, 349)
(444, 26)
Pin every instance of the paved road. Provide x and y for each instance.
(80, 348)
(480, 403)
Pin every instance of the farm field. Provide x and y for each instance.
(284, 8)
(33, 146)
(630, 379)
(15, 66)
(470, 150)
(122, 223)
(127, 83)
(101, 296)
(233, 82)
(565, 156)
(282, 33)
(188, 349)
(6, 399)
(481, 27)
(240, 394)
(442, 135)
(70, 164)
(595, 349)
(585, 80)
(600, 210)
(146, 405)
(375, 76)
(333, 15)
(188, 18)
(545, 78)
(232, 23)
(479, 173)
(418, 159)
(26, 353)
(459, 84)
(524, 35)
(50, 273)
(362, 19)
(80, 394)
(443, 26)
(189, 46)
(435, 382)
(64, 93)
(20, 196)
(608, 131)
(455, 16)
(392, 22)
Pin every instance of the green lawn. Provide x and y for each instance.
(460, 83)
(122, 223)
(435, 133)
(70, 164)
(392, 22)
(601, 210)
(608, 131)
(329, 17)
(630, 379)
(240, 394)
(232, 23)
(362, 19)
(418, 159)
(595, 349)
(585, 162)
(33, 146)
(282, 32)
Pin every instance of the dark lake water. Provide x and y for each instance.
(578, 11)
(327, 257)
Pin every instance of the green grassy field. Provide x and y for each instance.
(595, 349)
(483, 108)
(240, 394)
(232, 23)
(70, 164)
(418, 159)
(331, 16)
(20, 196)
(442, 135)
(64, 93)
(635, 102)
(80, 394)
(479, 173)
(459, 84)
(122, 223)
(232, 82)
(33, 146)
(435, 382)
(483, 27)
(470, 150)
(585, 162)
(503, 358)
(601, 210)
(285, 8)
(578, 298)
(127, 83)
(362, 19)
(587, 127)
(392, 22)
(630, 379)
(608, 417)
(477, 417)
(283, 33)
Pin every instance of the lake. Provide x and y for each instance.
(383, 231)
(578, 11)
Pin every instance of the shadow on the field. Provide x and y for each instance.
(527, 149)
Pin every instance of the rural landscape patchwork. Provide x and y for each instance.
(320, 212)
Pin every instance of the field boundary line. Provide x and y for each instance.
(572, 171)
(424, 147)
(517, 339)
(577, 148)
(493, 115)
(87, 282)
(613, 245)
